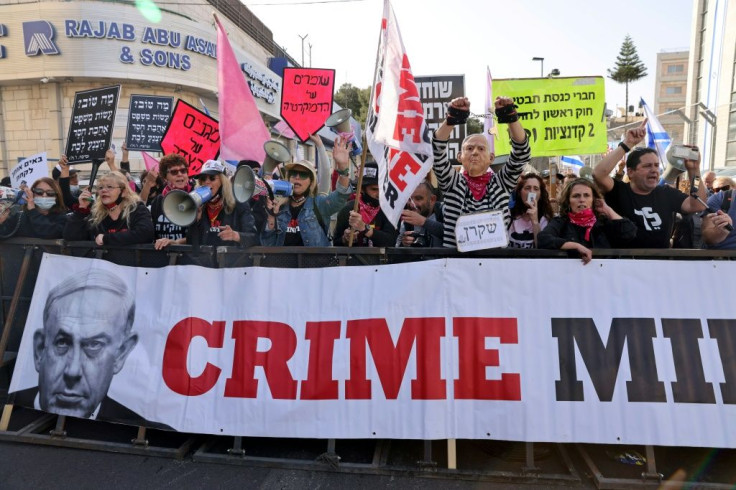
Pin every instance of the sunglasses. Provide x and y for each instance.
(176, 171)
(41, 192)
(207, 178)
(302, 174)
(724, 188)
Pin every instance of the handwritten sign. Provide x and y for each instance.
(29, 170)
(93, 118)
(306, 99)
(562, 116)
(148, 119)
(436, 93)
(480, 231)
(192, 134)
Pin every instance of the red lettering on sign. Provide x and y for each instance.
(474, 358)
(242, 383)
(320, 384)
(402, 166)
(391, 361)
(410, 117)
(192, 134)
(175, 371)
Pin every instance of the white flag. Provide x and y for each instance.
(397, 135)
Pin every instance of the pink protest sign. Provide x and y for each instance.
(306, 99)
(193, 134)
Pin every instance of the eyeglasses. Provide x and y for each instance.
(207, 178)
(302, 174)
(176, 171)
(43, 192)
(724, 188)
(109, 187)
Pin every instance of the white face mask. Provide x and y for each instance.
(45, 203)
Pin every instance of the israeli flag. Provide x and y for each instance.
(573, 160)
(657, 137)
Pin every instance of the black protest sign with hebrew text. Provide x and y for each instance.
(192, 134)
(148, 119)
(90, 129)
(436, 93)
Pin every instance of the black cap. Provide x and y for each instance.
(370, 173)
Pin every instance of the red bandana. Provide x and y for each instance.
(478, 185)
(585, 218)
(367, 212)
(213, 210)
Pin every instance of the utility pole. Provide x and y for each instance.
(303, 38)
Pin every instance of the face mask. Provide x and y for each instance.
(74, 190)
(45, 203)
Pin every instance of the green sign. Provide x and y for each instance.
(562, 116)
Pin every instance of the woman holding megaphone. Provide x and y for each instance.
(304, 218)
(222, 221)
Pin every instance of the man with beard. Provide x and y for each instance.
(421, 221)
(303, 219)
(372, 228)
(649, 205)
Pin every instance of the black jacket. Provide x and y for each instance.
(604, 232)
(240, 220)
(118, 232)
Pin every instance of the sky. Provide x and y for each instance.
(462, 37)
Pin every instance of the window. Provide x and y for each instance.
(677, 89)
(675, 68)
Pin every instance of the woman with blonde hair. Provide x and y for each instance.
(222, 221)
(117, 217)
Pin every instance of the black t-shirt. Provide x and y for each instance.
(293, 236)
(653, 214)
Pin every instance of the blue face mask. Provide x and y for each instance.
(45, 203)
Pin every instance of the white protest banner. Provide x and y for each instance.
(596, 357)
(488, 231)
(29, 170)
(397, 134)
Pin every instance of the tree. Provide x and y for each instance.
(356, 99)
(473, 126)
(629, 68)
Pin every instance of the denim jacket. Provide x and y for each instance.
(313, 235)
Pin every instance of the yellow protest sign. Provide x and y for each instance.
(562, 116)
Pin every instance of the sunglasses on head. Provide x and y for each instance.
(207, 178)
(302, 174)
(724, 188)
(42, 192)
(176, 171)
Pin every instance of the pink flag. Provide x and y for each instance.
(242, 131)
(489, 126)
(284, 130)
(396, 132)
(151, 163)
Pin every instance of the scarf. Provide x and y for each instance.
(168, 189)
(478, 185)
(585, 219)
(213, 210)
(368, 208)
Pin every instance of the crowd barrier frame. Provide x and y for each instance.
(19, 264)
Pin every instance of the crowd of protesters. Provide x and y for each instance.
(624, 205)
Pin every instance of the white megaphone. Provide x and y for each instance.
(340, 121)
(586, 173)
(276, 153)
(246, 185)
(675, 165)
(181, 207)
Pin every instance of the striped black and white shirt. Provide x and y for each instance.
(457, 196)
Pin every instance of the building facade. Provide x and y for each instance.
(711, 90)
(51, 49)
(670, 92)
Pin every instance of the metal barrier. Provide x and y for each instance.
(480, 460)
